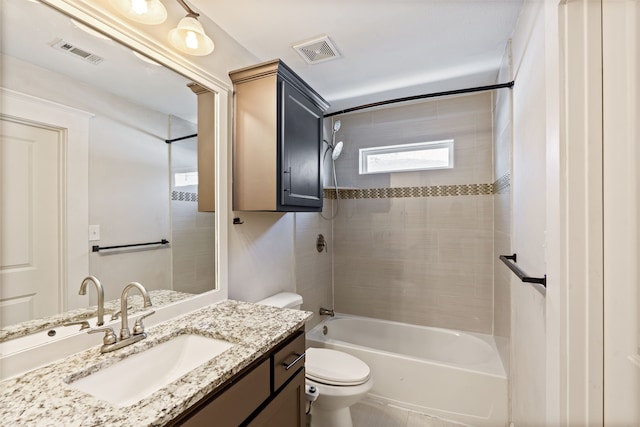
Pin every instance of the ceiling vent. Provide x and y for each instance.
(317, 50)
(77, 52)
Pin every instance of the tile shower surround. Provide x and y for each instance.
(417, 247)
(193, 243)
(420, 255)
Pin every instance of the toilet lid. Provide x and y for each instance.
(334, 367)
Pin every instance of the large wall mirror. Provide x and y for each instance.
(138, 189)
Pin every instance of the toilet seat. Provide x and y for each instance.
(333, 367)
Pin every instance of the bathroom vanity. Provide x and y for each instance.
(257, 380)
(252, 398)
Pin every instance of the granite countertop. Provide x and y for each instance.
(44, 396)
(159, 298)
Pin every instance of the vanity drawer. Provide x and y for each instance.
(288, 360)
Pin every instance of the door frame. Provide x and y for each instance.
(621, 108)
(575, 224)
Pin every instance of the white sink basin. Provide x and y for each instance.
(138, 376)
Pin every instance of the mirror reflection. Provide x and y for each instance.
(128, 186)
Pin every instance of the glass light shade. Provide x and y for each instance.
(189, 37)
(150, 12)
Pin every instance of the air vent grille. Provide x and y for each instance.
(77, 52)
(317, 50)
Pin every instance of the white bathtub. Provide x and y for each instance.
(449, 374)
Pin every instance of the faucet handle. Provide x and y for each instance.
(138, 328)
(84, 324)
(116, 315)
(109, 335)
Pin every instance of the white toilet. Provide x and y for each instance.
(341, 379)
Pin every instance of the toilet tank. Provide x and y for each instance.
(283, 300)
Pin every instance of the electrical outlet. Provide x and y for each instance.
(94, 233)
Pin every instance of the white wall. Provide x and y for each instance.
(276, 252)
(528, 340)
(261, 255)
(129, 194)
(556, 335)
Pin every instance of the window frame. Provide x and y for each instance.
(398, 148)
(185, 172)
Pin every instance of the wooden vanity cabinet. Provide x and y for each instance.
(265, 394)
(277, 142)
(287, 409)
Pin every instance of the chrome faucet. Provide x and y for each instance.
(116, 315)
(100, 289)
(110, 340)
(84, 324)
(327, 312)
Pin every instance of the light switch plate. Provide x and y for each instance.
(94, 233)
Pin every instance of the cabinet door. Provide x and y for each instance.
(287, 409)
(236, 403)
(300, 139)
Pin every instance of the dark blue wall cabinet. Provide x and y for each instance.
(277, 141)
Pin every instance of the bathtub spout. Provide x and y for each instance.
(327, 312)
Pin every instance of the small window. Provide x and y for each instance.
(185, 179)
(407, 157)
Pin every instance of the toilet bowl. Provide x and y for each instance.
(340, 378)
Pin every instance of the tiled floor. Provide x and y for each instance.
(370, 413)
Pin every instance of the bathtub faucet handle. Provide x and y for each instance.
(327, 312)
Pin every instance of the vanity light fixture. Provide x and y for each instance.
(150, 12)
(189, 36)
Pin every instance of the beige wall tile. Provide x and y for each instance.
(313, 269)
(465, 119)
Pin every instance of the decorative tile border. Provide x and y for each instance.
(432, 191)
(499, 186)
(183, 196)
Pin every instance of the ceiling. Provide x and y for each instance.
(388, 49)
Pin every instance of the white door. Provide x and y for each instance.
(621, 125)
(30, 210)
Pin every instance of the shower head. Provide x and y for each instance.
(336, 126)
(337, 149)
